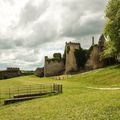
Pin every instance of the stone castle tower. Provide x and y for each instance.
(94, 61)
(71, 65)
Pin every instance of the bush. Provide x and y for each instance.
(57, 55)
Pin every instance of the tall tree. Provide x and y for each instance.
(112, 28)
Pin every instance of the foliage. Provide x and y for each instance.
(77, 101)
(29, 72)
(81, 57)
(68, 49)
(54, 59)
(64, 56)
(57, 55)
(109, 50)
(112, 28)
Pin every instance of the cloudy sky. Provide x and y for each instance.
(31, 29)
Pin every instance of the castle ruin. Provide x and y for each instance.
(67, 63)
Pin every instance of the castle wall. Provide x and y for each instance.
(39, 72)
(9, 73)
(1, 74)
(71, 64)
(53, 68)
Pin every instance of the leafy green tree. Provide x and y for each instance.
(112, 28)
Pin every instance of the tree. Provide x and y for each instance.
(112, 28)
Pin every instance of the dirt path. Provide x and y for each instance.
(104, 88)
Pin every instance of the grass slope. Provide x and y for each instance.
(77, 101)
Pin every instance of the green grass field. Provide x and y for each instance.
(78, 102)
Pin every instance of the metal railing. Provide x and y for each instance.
(29, 90)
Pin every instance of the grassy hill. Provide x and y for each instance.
(78, 102)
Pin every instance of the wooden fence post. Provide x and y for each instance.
(0, 97)
(18, 91)
(54, 89)
(30, 89)
(57, 88)
(41, 88)
(9, 94)
(61, 87)
(51, 86)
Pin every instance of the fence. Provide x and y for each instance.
(28, 92)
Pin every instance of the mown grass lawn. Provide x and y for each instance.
(77, 101)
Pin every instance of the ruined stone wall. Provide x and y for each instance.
(2, 73)
(71, 65)
(94, 61)
(53, 68)
(9, 73)
(39, 72)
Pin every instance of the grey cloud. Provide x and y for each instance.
(91, 27)
(31, 13)
(47, 30)
(75, 11)
(10, 43)
(84, 5)
(27, 58)
(22, 55)
(6, 43)
(19, 42)
(43, 32)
